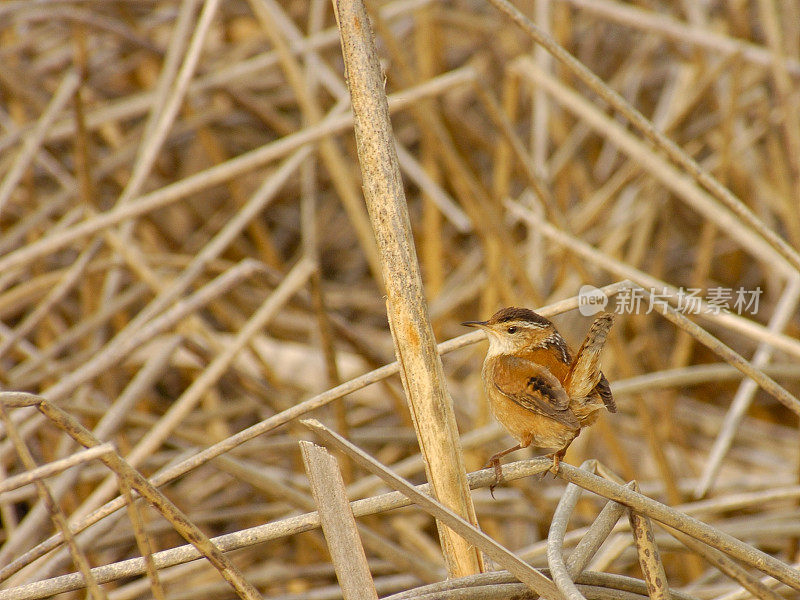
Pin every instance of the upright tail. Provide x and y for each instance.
(584, 374)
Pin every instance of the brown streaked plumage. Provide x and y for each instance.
(536, 389)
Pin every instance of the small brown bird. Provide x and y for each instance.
(536, 389)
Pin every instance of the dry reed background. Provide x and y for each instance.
(187, 261)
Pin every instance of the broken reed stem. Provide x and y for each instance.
(523, 571)
(613, 491)
(641, 504)
(649, 556)
(338, 523)
(420, 366)
(241, 539)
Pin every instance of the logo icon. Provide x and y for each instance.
(591, 300)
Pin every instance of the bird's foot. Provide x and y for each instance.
(494, 462)
(556, 464)
(556, 458)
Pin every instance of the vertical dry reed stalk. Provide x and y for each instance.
(415, 347)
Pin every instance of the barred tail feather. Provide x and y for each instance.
(603, 389)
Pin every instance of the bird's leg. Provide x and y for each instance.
(495, 463)
(556, 458)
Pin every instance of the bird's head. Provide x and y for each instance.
(511, 330)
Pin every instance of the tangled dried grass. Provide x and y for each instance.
(187, 266)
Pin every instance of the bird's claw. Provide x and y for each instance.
(498, 474)
(554, 468)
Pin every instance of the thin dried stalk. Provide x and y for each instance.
(329, 150)
(53, 468)
(66, 89)
(142, 540)
(672, 29)
(624, 271)
(701, 335)
(182, 406)
(592, 540)
(728, 219)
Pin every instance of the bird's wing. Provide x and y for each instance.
(584, 373)
(534, 388)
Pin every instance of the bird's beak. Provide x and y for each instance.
(480, 324)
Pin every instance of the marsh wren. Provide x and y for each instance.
(536, 389)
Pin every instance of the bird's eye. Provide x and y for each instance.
(512, 329)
